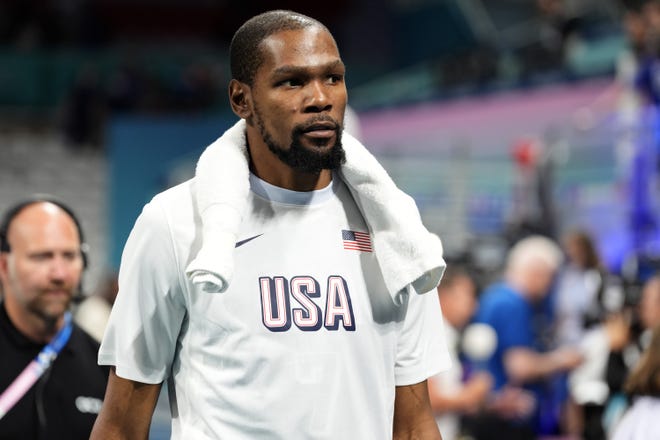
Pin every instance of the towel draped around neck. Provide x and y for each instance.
(409, 256)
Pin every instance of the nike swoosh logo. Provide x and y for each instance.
(242, 242)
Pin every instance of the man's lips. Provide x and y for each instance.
(57, 292)
(320, 133)
(320, 130)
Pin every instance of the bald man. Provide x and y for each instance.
(41, 264)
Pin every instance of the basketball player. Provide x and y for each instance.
(303, 344)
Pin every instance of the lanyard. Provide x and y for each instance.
(35, 368)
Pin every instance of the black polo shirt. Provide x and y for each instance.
(64, 403)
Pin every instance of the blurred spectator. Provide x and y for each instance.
(84, 111)
(621, 362)
(634, 25)
(476, 66)
(197, 88)
(36, 24)
(514, 308)
(641, 421)
(588, 306)
(50, 383)
(126, 88)
(588, 313)
(93, 312)
(636, 96)
(589, 384)
(586, 293)
(557, 28)
(649, 305)
(450, 396)
(648, 311)
(533, 208)
(578, 287)
(647, 318)
(646, 154)
(627, 65)
(622, 95)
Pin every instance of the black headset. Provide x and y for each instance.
(14, 210)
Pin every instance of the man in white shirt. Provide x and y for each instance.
(451, 394)
(304, 343)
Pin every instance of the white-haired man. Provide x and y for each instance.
(513, 308)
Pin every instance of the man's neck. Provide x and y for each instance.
(297, 181)
(517, 284)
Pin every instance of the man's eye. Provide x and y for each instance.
(333, 79)
(292, 82)
(71, 256)
(40, 257)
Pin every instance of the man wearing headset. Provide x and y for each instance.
(50, 384)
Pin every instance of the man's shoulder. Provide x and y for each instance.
(500, 295)
(171, 206)
(176, 196)
(497, 290)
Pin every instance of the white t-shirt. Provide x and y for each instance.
(449, 383)
(641, 421)
(304, 344)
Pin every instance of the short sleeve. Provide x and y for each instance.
(421, 347)
(145, 321)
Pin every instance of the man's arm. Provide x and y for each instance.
(469, 397)
(127, 410)
(526, 365)
(413, 417)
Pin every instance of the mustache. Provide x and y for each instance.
(69, 290)
(325, 121)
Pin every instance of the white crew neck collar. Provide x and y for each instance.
(283, 195)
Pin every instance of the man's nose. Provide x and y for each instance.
(61, 268)
(318, 99)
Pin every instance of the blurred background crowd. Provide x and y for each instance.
(505, 119)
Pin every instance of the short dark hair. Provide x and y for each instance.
(245, 55)
(586, 244)
(452, 273)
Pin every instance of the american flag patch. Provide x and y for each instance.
(356, 241)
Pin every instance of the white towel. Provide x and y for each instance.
(410, 257)
(223, 185)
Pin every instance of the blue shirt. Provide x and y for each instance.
(512, 319)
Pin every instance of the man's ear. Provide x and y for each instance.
(240, 99)
(3, 265)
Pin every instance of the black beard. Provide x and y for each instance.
(302, 158)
